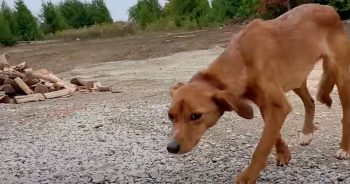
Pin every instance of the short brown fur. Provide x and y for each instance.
(261, 63)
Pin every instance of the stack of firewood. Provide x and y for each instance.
(20, 84)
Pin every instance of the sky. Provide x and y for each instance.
(117, 8)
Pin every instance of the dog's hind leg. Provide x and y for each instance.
(306, 135)
(327, 83)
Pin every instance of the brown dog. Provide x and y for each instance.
(261, 63)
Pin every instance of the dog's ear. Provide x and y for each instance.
(227, 102)
(175, 87)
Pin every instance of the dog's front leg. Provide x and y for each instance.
(274, 109)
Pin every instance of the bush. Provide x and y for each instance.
(27, 24)
(145, 12)
(95, 31)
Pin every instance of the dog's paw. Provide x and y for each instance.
(305, 139)
(342, 154)
(246, 178)
(283, 159)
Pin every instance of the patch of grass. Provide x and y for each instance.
(117, 29)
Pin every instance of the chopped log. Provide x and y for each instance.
(3, 77)
(28, 70)
(56, 94)
(67, 85)
(14, 74)
(46, 75)
(3, 61)
(29, 98)
(13, 84)
(104, 88)
(8, 89)
(23, 86)
(29, 79)
(4, 99)
(21, 66)
(77, 82)
(41, 88)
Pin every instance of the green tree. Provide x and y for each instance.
(9, 16)
(145, 12)
(6, 37)
(27, 24)
(75, 13)
(52, 20)
(196, 11)
(227, 9)
(99, 13)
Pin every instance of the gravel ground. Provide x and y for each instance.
(121, 137)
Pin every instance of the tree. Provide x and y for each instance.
(75, 13)
(145, 12)
(182, 11)
(99, 13)
(6, 37)
(227, 9)
(9, 16)
(27, 24)
(52, 20)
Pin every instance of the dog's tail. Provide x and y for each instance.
(327, 82)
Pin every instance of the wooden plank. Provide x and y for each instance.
(29, 98)
(56, 94)
(23, 86)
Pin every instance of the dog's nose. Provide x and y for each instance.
(173, 147)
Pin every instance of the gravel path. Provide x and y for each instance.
(121, 137)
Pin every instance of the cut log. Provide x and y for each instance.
(29, 98)
(56, 94)
(67, 85)
(23, 86)
(3, 61)
(21, 66)
(4, 99)
(104, 88)
(29, 79)
(41, 88)
(8, 89)
(13, 84)
(3, 77)
(77, 82)
(42, 74)
(14, 74)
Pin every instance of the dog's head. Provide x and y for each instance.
(195, 108)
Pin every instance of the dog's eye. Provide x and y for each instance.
(196, 116)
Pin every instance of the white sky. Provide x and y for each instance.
(117, 8)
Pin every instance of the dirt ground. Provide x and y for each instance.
(121, 137)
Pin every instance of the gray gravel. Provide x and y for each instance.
(121, 137)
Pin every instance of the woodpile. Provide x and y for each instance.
(21, 83)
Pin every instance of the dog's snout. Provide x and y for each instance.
(173, 147)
